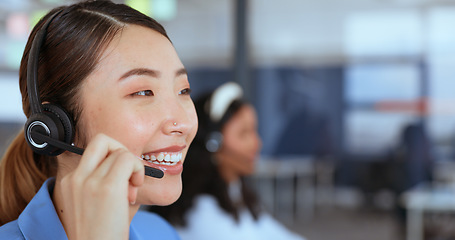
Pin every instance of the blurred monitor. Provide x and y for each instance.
(369, 128)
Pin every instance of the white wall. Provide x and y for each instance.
(280, 32)
(10, 99)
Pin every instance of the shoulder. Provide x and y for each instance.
(206, 207)
(207, 211)
(10, 231)
(275, 229)
(206, 202)
(147, 222)
(149, 216)
(207, 220)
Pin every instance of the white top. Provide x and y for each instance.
(207, 221)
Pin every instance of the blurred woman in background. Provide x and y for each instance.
(216, 203)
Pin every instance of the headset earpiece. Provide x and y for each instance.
(214, 141)
(53, 122)
(65, 120)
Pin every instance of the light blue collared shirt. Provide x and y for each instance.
(39, 220)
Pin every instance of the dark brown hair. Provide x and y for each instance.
(75, 40)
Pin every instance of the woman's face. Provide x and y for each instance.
(135, 95)
(241, 143)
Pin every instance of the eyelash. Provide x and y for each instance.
(145, 93)
(186, 91)
(148, 93)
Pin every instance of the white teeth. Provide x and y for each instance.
(163, 158)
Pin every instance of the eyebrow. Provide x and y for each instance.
(181, 71)
(150, 72)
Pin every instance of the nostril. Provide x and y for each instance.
(177, 131)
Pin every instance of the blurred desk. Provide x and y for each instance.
(286, 186)
(426, 198)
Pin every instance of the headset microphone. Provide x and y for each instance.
(49, 129)
(44, 139)
(61, 145)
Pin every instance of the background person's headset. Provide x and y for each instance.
(216, 108)
(50, 130)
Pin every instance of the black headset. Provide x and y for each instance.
(47, 121)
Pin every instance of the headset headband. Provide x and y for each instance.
(221, 98)
(32, 67)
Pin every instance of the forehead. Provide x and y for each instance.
(138, 47)
(244, 116)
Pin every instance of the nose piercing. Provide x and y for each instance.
(175, 124)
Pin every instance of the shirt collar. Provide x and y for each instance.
(39, 220)
(134, 234)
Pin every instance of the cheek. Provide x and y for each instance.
(133, 130)
(235, 143)
(127, 127)
(193, 121)
(92, 124)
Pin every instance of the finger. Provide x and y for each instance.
(105, 166)
(136, 180)
(132, 194)
(120, 174)
(118, 160)
(127, 168)
(97, 150)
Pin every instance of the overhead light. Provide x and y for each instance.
(17, 25)
(164, 10)
(161, 10)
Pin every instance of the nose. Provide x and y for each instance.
(179, 117)
(257, 142)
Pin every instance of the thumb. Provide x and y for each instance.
(136, 180)
(132, 194)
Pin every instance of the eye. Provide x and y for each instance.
(147, 93)
(186, 91)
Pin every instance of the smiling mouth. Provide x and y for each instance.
(163, 158)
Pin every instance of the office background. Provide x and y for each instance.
(357, 86)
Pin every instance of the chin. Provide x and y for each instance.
(160, 192)
(250, 170)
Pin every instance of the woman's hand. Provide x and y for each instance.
(97, 195)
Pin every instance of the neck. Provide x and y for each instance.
(58, 198)
(63, 211)
(132, 211)
(227, 174)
